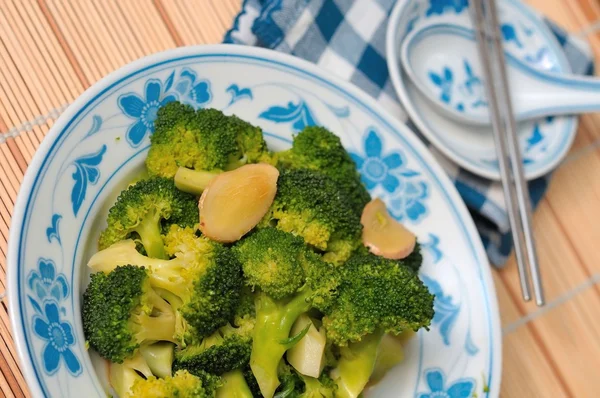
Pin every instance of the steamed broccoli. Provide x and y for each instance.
(317, 148)
(234, 386)
(182, 384)
(309, 204)
(121, 311)
(375, 296)
(225, 350)
(145, 210)
(323, 387)
(205, 139)
(268, 258)
(413, 261)
(202, 283)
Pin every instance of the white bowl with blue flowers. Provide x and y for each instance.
(101, 141)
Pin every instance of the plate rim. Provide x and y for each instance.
(402, 93)
(87, 97)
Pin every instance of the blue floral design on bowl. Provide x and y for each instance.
(45, 283)
(375, 167)
(461, 388)
(59, 337)
(143, 110)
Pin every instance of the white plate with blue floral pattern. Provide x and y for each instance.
(100, 142)
(544, 142)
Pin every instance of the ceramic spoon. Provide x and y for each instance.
(443, 63)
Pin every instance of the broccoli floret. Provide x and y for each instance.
(414, 259)
(323, 387)
(225, 350)
(375, 296)
(202, 283)
(319, 149)
(291, 384)
(276, 316)
(271, 260)
(309, 204)
(124, 375)
(205, 139)
(234, 385)
(377, 293)
(182, 384)
(121, 311)
(145, 210)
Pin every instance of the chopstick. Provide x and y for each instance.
(516, 193)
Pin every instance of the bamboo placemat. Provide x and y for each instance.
(52, 50)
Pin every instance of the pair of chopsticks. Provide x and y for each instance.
(487, 31)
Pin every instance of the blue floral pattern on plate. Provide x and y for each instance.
(45, 283)
(298, 114)
(50, 289)
(461, 388)
(59, 337)
(86, 172)
(143, 110)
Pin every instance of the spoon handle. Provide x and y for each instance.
(558, 95)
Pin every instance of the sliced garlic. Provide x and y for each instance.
(383, 235)
(235, 201)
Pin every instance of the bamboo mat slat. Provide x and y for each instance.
(52, 50)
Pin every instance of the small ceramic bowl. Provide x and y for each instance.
(527, 37)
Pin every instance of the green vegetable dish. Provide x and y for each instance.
(233, 271)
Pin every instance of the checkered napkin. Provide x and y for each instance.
(347, 37)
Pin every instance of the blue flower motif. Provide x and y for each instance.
(192, 90)
(375, 168)
(472, 88)
(444, 81)
(143, 110)
(461, 388)
(59, 336)
(46, 283)
(408, 202)
(439, 7)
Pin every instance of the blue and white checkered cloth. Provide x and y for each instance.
(347, 37)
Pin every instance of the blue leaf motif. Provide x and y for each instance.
(238, 93)
(342, 111)
(299, 114)
(169, 81)
(86, 172)
(52, 230)
(35, 304)
(439, 7)
(446, 312)
(96, 125)
(470, 346)
(432, 247)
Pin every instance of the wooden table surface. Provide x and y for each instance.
(52, 50)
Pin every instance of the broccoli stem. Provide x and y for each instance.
(274, 321)
(356, 365)
(235, 386)
(158, 326)
(149, 232)
(193, 181)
